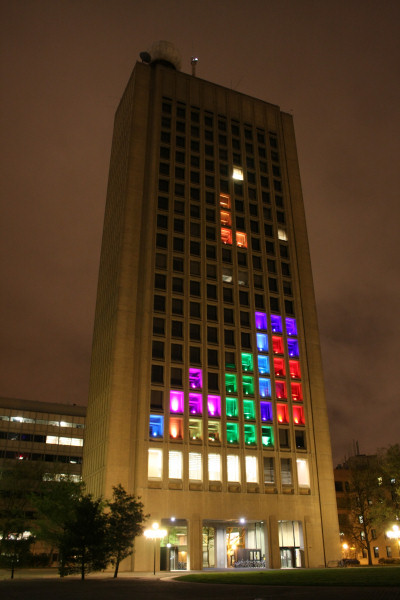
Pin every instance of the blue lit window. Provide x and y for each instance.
(291, 327)
(265, 387)
(293, 348)
(276, 323)
(156, 426)
(263, 364)
(262, 342)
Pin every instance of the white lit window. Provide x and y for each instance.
(175, 464)
(303, 473)
(237, 173)
(64, 441)
(251, 469)
(214, 467)
(233, 468)
(282, 235)
(195, 466)
(155, 464)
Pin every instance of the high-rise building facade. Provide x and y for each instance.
(206, 394)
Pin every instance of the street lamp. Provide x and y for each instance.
(155, 533)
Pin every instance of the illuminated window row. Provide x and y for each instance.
(276, 324)
(213, 465)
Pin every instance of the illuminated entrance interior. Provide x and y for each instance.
(173, 548)
(291, 544)
(234, 544)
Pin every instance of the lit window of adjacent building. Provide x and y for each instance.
(298, 415)
(232, 433)
(251, 469)
(231, 407)
(176, 401)
(175, 464)
(156, 426)
(237, 173)
(176, 428)
(282, 413)
(64, 441)
(214, 467)
(214, 431)
(214, 406)
(233, 468)
(241, 239)
(266, 411)
(303, 473)
(195, 466)
(195, 429)
(267, 436)
(155, 459)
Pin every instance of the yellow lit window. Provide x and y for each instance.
(237, 173)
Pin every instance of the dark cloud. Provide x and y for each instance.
(334, 64)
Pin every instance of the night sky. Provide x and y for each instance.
(333, 64)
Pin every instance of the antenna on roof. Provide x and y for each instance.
(193, 61)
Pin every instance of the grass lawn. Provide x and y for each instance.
(350, 576)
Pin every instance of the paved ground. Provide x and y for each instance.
(151, 588)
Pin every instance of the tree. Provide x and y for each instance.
(125, 522)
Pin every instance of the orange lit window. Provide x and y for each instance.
(225, 201)
(280, 388)
(279, 366)
(298, 415)
(282, 413)
(176, 429)
(277, 344)
(294, 368)
(226, 235)
(297, 392)
(241, 239)
(226, 218)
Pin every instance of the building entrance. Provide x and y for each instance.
(291, 544)
(234, 545)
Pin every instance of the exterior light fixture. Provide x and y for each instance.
(155, 533)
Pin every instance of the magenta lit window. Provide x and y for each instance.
(195, 404)
(214, 406)
(176, 401)
(195, 379)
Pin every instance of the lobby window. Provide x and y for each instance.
(176, 401)
(156, 426)
(286, 471)
(264, 387)
(154, 464)
(263, 365)
(282, 413)
(195, 379)
(195, 466)
(266, 412)
(269, 470)
(230, 383)
(294, 368)
(267, 436)
(195, 404)
(214, 467)
(232, 433)
(175, 464)
(176, 428)
(250, 436)
(233, 468)
(298, 415)
(249, 412)
(214, 431)
(262, 342)
(195, 429)
(280, 389)
(231, 407)
(251, 469)
(214, 406)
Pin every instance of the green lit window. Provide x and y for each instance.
(247, 362)
(267, 436)
(195, 429)
(250, 437)
(230, 383)
(231, 407)
(248, 386)
(214, 431)
(248, 409)
(232, 433)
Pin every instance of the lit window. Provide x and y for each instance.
(280, 389)
(233, 468)
(226, 218)
(264, 387)
(195, 404)
(282, 413)
(155, 463)
(298, 415)
(297, 392)
(263, 364)
(282, 235)
(226, 235)
(291, 327)
(277, 344)
(175, 465)
(237, 173)
(230, 383)
(249, 410)
(64, 441)
(251, 469)
(241, 239)
(267, 436)
(262, 342)
(231, 407)
(195, 429)
(232, 433)
(279, 367)
(156, 426)
(294, 368)
(276, 323)
(227, 275)
(195, 466)
(225, 201)
(176, 429)
(214, 406)
(176, 401)
(250, 437)
(293, 348)
(247, 362)
(248, 385)
(266, 411)
(214, 431)
(214, 467)
(195, 379)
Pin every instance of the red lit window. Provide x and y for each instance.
(282, 413)
(279, 366)
(280, 388)
(226, 235)
(226, 218)
(298, 415)
(277, 344)
(294, 368)
(241, 239)
(297, 392)
(176, 429)
(225, 201)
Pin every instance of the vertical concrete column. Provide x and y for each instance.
(274, 552)
(195, 562)
(220, 547)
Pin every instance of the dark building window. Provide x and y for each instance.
(160, 281)
(212, 358)
(274, 304)
(179, 226)
(211, 291)
(195, 288)
(211, 252)
(212, 335)
(177, 306)
(157, 374)
(159, 303)
(227, 294)
(176, 352)
(156, 399)
(176, 377)
(162, 203)
(245, 340)
(194, 332)
(177, 285)
(213, 383)
(158, 326)
(212, 312)
(229, 337)
(195, 248)
(195, 355)
(244, 319)
(228, 316)
(162, 222)
(244, 298)
(195, 310)
(161, 240)
(177, 264)
(177, 329)
(157, 350)
(284, 438)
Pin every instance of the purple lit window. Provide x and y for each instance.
(265, 387)
(293, 348)
(214, 406)
(276, 323)
(176, 401)
(195, 379)
(195, 404)
(262, 342)
(266, 411)
(261, 321)
(291, 327)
